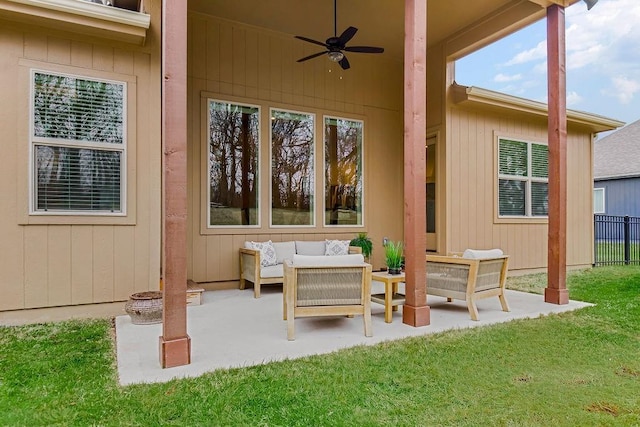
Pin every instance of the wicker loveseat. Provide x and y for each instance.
(262, 262)
(468, 276)
(326, 286)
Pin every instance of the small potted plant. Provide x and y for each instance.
(364, 242)
(394, 256)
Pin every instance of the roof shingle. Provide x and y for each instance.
(618, 155)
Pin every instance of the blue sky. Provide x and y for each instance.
(603, 61)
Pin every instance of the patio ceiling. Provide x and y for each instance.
(467, 25)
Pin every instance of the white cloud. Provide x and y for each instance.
(625, 89)
(603, 60)
(578, 58)
(540, 68)
(605, 35)
(503, 78)
(573, 98)
(538, 52)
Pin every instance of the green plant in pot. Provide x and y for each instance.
(394, 252)
(364, 242)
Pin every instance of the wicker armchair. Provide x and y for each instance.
(326, 286)
(468, 279)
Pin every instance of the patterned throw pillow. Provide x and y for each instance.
(267, 252)
(336, 247)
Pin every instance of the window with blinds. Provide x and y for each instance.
(523, 179)
(78, 144)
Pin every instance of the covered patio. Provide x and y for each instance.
(214, 246)
(231, 329)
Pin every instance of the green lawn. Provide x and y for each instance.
(608, 253)
(575, 369)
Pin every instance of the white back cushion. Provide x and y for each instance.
(284, 250)
(310, 248)
(482, 254)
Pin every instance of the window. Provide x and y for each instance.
(78, 145)
(292, 171)
(343, 171)
(598, 201)
(523, 177)
(233, 152)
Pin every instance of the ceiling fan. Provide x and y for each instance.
(336, 45)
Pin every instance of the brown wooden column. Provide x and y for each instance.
(556, 291)
(175, 344)
(415, 311)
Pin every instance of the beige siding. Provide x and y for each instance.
(472, 218)
(240, 63)
(70, 260)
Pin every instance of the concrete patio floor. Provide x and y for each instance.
(232, 329)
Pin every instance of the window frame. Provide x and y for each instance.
(323, 211)
(35, 141)
(200, 170)
(207, 98)
(601, 190)
(528, 180)
(314, 145)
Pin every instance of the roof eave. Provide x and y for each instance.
(81, 17)
(610, 177)
(474, 95)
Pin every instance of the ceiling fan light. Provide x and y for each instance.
(335, 55)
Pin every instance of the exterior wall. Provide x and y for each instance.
(67, 260)
(235, 62)
(622, 196)
(472, 220)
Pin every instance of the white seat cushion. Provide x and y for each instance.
(272, 271)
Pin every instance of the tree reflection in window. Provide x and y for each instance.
(78, 137)
(233, 134)
(292, 171)
(343, 171)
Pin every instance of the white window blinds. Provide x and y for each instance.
(523, 179)
(78, 137)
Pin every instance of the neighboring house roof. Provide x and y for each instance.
(618, 155)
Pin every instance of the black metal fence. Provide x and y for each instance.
(617, 239)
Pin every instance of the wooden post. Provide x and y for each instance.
(556, 291)
(175, 344)
(415, 311)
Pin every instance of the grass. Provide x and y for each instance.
(578, 368)
(611, 253)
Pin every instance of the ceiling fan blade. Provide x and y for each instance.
(311, 41)
(315, 55)
(364, 49)
(347, 35)
(344, 63)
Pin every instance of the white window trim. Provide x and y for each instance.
(526, 179)
(362, 174)
(207, 187)
(270, 178)
(35, 141)
(601, 190)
